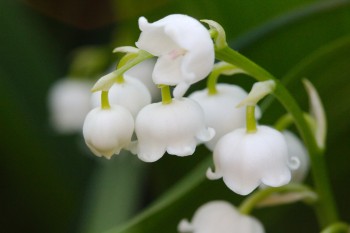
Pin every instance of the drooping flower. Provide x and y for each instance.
(220, 109)
(107, 131)
(68, 103)
(176, 128)
(297, 149)
(131, 94)
(220, 217)
(245, 160)
(184, 47)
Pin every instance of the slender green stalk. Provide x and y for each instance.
(104, 100)
(123, 61)
(251, 201)
(284, 122)
(325, 208)
(166, 96)
(250, 119)
(220, 68)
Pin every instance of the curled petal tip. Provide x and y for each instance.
(294, 163)
(185, 226)
(206, 135)
(180, 90)
(212, 175)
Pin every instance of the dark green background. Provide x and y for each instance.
(51, 182)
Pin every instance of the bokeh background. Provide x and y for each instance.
(50, 182)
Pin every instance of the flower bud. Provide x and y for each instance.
(220, 217)
(107, 131)
(69, 102)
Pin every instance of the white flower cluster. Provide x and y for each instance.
(246, 156)
(185, 54)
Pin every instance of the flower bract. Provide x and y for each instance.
(220, 109)
(220, 217)
(107, 131)
(245, 160)
(69, 102)
(184, 48)
(175, 128)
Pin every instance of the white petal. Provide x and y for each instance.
(211, 175)
(185, 226)
(150, 152)
(247, 159)
(180, 90)
(143, 72)
(220, 111)
(206, 134)
(183, 44)
(221, 217)
(108, 131)
(173, 127)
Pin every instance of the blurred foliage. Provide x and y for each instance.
(51, 183)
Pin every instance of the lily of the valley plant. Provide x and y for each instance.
(265, 163)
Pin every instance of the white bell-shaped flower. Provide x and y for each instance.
(220, 217)
(131, 94)
(184, 47)
(297, 149)
(143, 72)
(220, 109)
(245, 160)
(68, 103)
(107, 131)
(176, 128)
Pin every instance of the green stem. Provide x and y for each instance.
(104, 100)
(251, 201)
(105, 82)
(211, 82)
(250, 119)
(284, 122)
(166, 96)
(325, 208)
(123, 61)
(219, 68)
